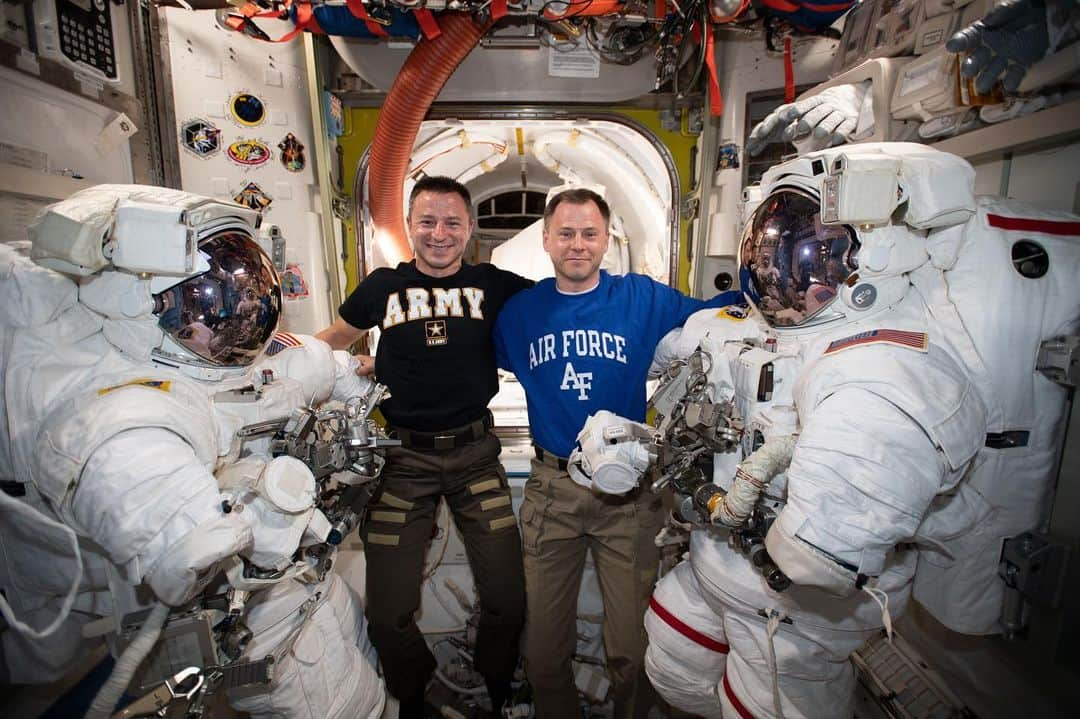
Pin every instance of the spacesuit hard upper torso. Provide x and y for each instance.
(124, 451)
(842, 385)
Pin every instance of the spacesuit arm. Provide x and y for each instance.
(145, 498)
(670, 349)
(683, 341)
(861, 478)
(347, 382)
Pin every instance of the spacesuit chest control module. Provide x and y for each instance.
(174, 482)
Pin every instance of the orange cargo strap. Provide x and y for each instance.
(426, 20)
(356, 7)
(716, 100)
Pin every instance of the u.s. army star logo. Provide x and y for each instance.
(435, 331)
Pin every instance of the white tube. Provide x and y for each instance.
(129, 661)
(632, 190)
(600, 147)
(751, 477)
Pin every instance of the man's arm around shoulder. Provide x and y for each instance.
(723, 299)
(340, 335)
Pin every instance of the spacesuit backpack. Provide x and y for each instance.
(1025, 260)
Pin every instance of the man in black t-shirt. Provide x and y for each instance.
(436, 355)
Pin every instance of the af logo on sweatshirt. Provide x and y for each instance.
(568, 344)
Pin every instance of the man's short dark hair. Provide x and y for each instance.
(441, 185)
(577, 196)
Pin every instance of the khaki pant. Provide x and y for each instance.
(396, 537)
(560, 520)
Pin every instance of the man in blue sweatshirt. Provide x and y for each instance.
(580, 343)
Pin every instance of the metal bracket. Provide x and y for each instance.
(690, 207)
(1033, 568)
(341, 206)
(1059, 359)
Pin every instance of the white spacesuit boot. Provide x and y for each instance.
(126, 380)
(871, 366)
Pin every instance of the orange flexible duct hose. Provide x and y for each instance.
(419, 82)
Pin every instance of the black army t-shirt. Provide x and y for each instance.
(435, 352)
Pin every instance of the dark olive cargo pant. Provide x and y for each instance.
(396, 536)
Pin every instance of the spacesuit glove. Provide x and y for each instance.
(610, 456)
(179, 574)
(831, 117)
(276, 499)
(807, 565)
(1003, 44)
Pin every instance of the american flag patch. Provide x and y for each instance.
(901, 338)
(281, 341)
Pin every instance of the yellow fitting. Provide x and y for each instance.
(714, 502)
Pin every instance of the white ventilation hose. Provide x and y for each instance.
(751, 477)
(129, 661)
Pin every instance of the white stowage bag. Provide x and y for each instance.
(324, 672)
(687, 651)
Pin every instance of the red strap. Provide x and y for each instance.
(1025, 224)
(838, 7)
(742, 711)
(305, 20)
(781, 5)
(356, 7)
(661, 9)
(427, 23)
(789, 72)
(716, 100)
(498, 9)
(685, 629)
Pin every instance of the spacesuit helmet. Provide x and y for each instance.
(791, 265)
(225, 315)
(839, 232)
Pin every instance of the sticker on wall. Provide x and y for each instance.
(247, 109)
(200, 137)
(728, 157)
(292, 153)
(293, 286)
(249, 153)
(335, 115)
(253, 196)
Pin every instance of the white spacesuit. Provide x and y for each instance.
(125, 382)
(894, 428)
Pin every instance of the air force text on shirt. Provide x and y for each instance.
(576, 343)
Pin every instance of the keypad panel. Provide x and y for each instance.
(86, 34)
